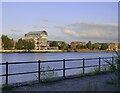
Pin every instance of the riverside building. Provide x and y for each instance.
(40, 38)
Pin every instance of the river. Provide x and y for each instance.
(27, 57)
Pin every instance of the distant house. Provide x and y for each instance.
(40, 38)
(74, 44)
(113, 46)
(57, 47)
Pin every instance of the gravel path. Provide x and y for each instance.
(87, 83)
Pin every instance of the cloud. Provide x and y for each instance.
(15, 30)
(71, 33)
(40, 26)
(92, 31)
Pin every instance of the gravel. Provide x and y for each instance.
(87, 83)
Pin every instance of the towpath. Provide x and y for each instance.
(87, 83)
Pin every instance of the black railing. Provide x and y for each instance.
(64, 68)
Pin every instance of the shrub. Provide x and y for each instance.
(115, 68)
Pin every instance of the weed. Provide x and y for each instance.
(47, 74)
(6, 87)
(115, 68)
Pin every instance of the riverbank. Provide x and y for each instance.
(49, 51)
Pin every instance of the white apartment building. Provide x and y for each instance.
(40, 38)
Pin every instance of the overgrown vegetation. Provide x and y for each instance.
(5, 87)
(47, 76)
(115, 68)
(96, 71)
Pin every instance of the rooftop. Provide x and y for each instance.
(37, 32)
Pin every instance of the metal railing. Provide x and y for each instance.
(64, 68)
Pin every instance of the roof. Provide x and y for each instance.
(37, 32)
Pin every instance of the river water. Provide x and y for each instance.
(28, 57)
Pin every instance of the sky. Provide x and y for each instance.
(64, 21)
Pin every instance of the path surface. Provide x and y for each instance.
(89, 83)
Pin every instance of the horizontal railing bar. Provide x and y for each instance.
(23, 62)
(105, 65)
(22, 73)
(3, 75)
(51, 70)
(53, 60)
(2, 63)
(73, 68)
(91, 66)
(97, 58)
(106, 57)
(18, 62)
(91, 58)
(72, 59)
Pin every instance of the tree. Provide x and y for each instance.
(89, 45)
(26, 44)
(95, 46)
(80, 46)
(19, 44)
(54, 44)
(31, 44)
(7, 43)
(104, 46)
(63, 45)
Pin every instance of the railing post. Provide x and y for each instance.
(6, 73)
(39, 70)
(83, 65)
(63, 68)
(112, 60)
(99, 64)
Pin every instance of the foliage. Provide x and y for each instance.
(6, 87)
(89, 45)
(81, 46)
(95, 46)
(49, 74)
(104, 46)
(19, 44)
(54, 44)
(7, 43)
(27, 44)
(64, 46)
(115, 68)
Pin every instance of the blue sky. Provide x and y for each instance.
(64, 21)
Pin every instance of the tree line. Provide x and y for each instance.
(89, 45)
(29, 44)
(8, 43)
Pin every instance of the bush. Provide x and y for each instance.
(115, 68)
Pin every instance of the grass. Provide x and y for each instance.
(6, 87)
(96, 71)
